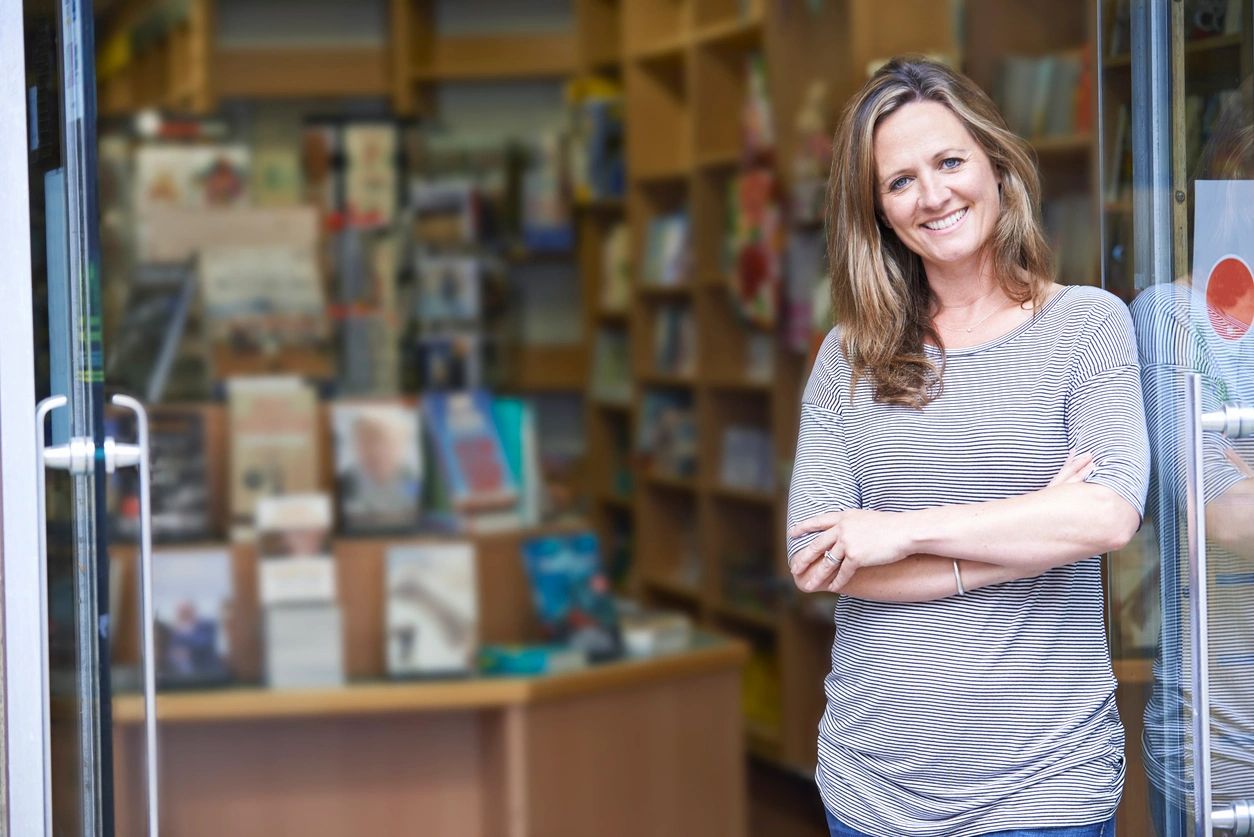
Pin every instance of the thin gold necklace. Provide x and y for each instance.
(969, 329)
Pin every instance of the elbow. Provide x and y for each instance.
(1119, 521)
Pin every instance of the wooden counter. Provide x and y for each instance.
(637, 747)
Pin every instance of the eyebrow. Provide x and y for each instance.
(944, 152)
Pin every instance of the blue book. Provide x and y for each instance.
(468, 448)
(571, 593)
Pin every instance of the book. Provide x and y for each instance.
(449, 360)
(667, 433)
(648, 633)
(371, 183)
(546, 223)
(273, 425)
(674, 340)
(611, 367)
(150, 337)
(446, 211)
(171, 175)
(571, 593)
(666, 258)
(595, 158)
(378, 467)
(515, 420)
(448, 291)
(179, 234)
(302, 580)
(293, 525)
(262, 298)
(192, 594)
(304, 646)
(518, 660)
(754, 245)
(182, 508)
(468, 450)
(616, 269)
(747, 458)
(432, 609)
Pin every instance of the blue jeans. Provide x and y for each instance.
(1101, 829)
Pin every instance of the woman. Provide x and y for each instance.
(972, 436)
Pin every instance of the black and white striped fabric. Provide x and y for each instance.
(993, 710)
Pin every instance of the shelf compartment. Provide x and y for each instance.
(669, 482)
(295, 72)
(647, 24)
(753, 618)
(599, 32)
(748, 496)
(471, 57)
(549, 368)
(674, 588)
(657, 96)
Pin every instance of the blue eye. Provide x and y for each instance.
(951, 162)
(899, 183)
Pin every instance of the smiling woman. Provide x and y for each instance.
(972, 437)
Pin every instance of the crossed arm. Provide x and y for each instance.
(908, 556)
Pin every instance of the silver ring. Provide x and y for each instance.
(832, 559)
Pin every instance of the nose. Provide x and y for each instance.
(932, 192)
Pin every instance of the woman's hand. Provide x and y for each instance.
(858, 538)
(847, 540)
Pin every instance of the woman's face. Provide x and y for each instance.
(936, 186)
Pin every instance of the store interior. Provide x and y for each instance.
(472, 335)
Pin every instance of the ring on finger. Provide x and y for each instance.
(832, 559)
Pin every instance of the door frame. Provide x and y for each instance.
(26, 803)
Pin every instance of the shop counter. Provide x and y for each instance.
(636, 747)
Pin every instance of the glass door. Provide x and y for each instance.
(58, 735)
(1178, 236)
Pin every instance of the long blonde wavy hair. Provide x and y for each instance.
(880, 294)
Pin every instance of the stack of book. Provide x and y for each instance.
(302, 624)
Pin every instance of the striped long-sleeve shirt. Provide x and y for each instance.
(996, 709)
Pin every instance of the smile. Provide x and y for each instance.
(948, 221)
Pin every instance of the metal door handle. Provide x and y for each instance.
(123, 456)
(1233, 422)
(42, 411)
(1237, 818)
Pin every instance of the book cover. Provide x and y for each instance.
(182, 508)
(262, 298)
(469, 451)
(516, 423)
(179, 234)
(616, 269)
(378, 467)
(273, 423)
(448, 291)
(520, 660)
(611, 367)
(755, 245)
(674, 336)
(304, 646)
(371, 183)
(432, 609)
(449, 361)
(446, 212)
(666, 433)
(296, 525)
(666, 257)
(571, 593)
(192, 593)
(190, 176)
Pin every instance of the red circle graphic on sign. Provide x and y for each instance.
(1230, 298)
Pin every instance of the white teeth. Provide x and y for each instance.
(948, 221)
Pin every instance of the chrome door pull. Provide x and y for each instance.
(1233, 422)
(1237, 818)
(42, 411)
(118, 455)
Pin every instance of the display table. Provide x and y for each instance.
(638, 747)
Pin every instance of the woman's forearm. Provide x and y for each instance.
(1032, 532)
(926, 578)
